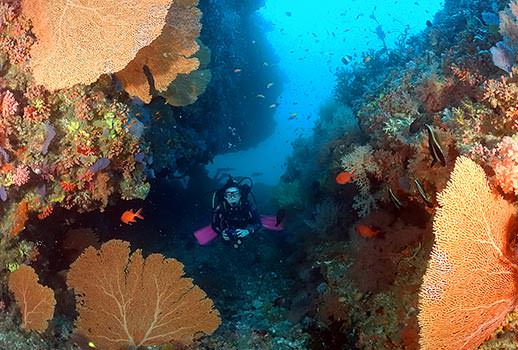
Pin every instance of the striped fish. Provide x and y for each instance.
(422, 192)
(435, 147)
(394, 199)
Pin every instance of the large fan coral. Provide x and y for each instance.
(469, 285)
(169, 55)
(78, 42)
(128, 301)
(36, 302)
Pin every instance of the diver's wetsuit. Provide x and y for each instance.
(227, 219)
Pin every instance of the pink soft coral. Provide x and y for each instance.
(9, 104)
(21, 176)
(504, 161)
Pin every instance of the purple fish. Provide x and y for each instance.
(503, 56)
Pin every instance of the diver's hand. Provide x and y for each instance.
(240, 233)
(224, 235)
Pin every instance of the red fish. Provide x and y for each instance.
(366, 231)
(129, 216)
(344, 177)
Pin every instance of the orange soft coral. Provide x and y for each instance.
(504, 161)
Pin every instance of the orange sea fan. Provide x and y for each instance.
(36, 302)
(133, 302)
(169, 55)
(186, 88)
(80, 40)
(469, 285)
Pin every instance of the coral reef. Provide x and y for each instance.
(447, 94)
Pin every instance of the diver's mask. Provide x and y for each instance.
(232, 196)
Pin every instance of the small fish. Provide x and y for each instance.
(344, 177)
(279, 217)
(434, 147)
(260, 96)
(422, 192)
(292, 116)
(429, 24)
(366, 231)
(269, 85)
(347, 59)
(237, 70)
(394, 199)
(366, 59)
(129, 216)
(288, 13)
(273, 105)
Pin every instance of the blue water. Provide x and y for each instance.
(310, 39)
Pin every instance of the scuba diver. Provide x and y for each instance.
(234, 216)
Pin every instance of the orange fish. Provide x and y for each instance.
(344, 177)
(129, 216)
(366, 231)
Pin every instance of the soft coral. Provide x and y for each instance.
(504, 161)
